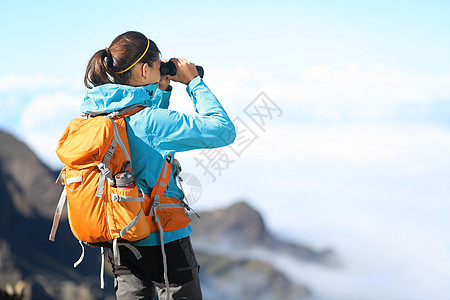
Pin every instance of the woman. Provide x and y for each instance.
(127, 73)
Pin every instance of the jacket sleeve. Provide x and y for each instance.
(161, 98)
(171, 131)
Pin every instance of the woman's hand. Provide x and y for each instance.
(164, 81)
(186, 70)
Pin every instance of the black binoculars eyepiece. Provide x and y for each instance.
(168, 68)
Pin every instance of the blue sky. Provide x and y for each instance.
(360, 154)
(397, 32)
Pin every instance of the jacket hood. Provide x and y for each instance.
(111, 97)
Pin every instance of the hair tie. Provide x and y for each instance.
(148, 44)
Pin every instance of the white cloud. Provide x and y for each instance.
(356, 84)
(9, 106)
(44, 120)
(47, 109)
(33, 82)
(355, 144)
(346, 143)
(323, 93)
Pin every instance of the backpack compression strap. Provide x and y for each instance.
(157, 193)
(163, 180)
(161, 186)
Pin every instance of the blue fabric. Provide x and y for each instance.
(110, 97)
(169, 236)
(155, 132)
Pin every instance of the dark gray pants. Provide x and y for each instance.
(143, 278)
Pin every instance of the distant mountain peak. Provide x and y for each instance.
(240, 226)
(28, 183)
(240, 220)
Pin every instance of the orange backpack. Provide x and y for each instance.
(94, 150)
(96, 155)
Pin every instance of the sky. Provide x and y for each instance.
(343, 109)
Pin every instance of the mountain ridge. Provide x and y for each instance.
(248, 230)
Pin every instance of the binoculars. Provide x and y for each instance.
(168, 68)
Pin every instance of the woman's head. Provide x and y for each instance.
(118, 62)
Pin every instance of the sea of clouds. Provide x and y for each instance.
(357, 160)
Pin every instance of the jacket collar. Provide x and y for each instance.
(111, 97)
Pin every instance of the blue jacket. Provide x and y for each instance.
(155, 132)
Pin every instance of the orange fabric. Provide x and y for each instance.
(170, 218)
(84, 208)
(83, 142)
(158, 189)
(97, 219)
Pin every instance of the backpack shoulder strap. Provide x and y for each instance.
(163, 180)
(58, 212)
(127, 111)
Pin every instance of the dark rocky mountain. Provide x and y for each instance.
(28, 197)
(40, 269)
(25, 179)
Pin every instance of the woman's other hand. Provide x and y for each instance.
(164, 81)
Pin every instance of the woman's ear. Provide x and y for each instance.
(145, 70)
